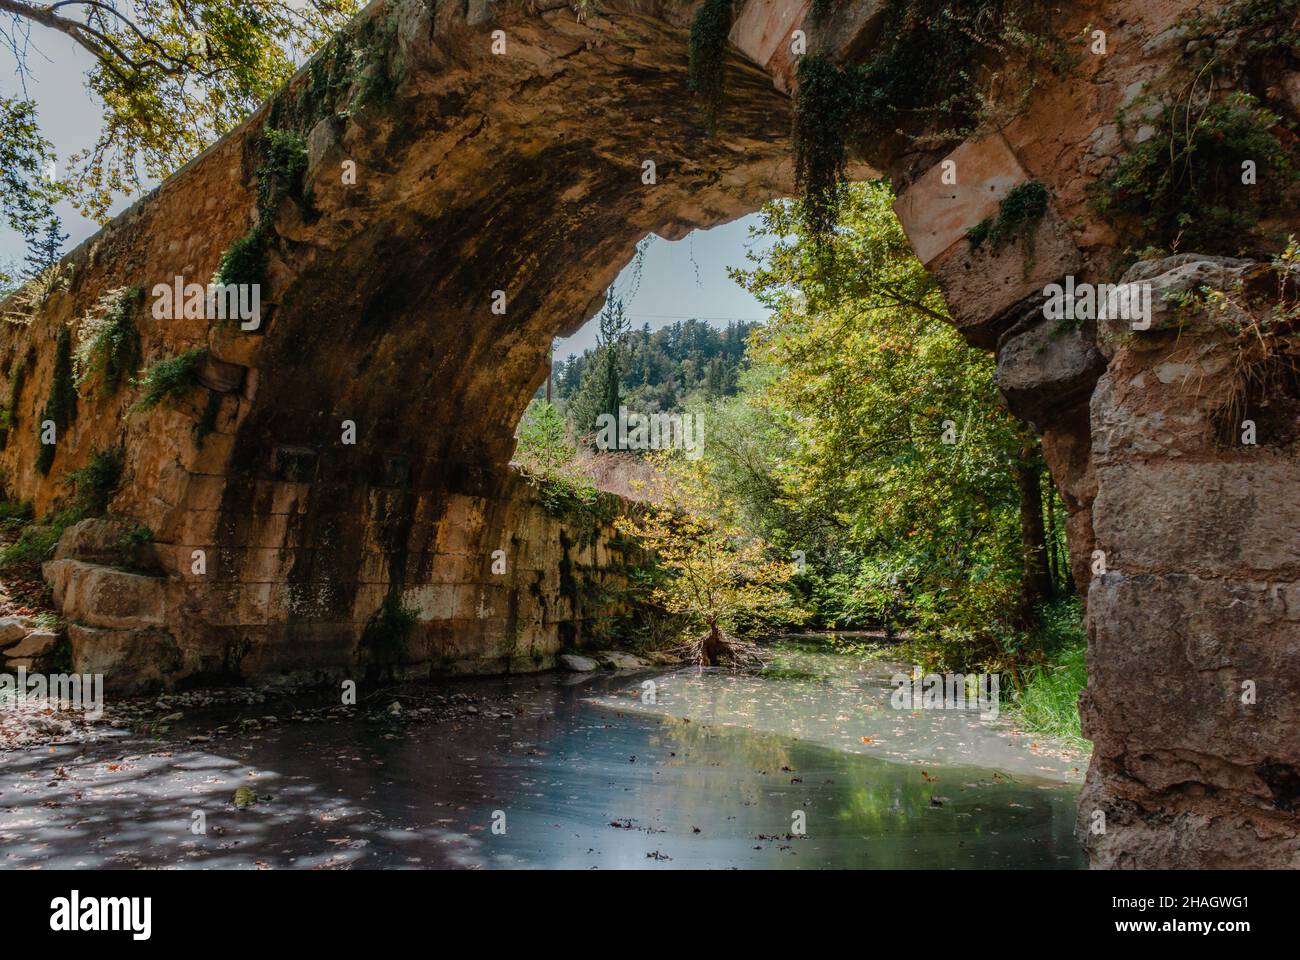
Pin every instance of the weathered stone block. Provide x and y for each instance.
(1168, 659)
(1045, 366)
(936, 215)
(762, 27)
(1218, 519)
(105, 597)
(981, 285)
(12, 630)
(131, 661)
(36, 644)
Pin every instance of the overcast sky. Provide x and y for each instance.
(680, 280)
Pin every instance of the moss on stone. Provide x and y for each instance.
(9, 412)
(388, 632)
(1018, 216)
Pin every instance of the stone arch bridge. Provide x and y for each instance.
(441, 172)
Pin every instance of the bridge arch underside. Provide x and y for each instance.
(282, 550)
(353, 451)
(529, 202)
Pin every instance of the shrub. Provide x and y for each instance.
(169, 379)
(96, 482)
(36, 543)
(1182, 185)
(388, 630)
(244, 261)
(108, 343)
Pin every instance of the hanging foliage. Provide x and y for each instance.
(708, 48)
(929, 79)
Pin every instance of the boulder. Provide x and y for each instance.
(1047, 366)
(577, 664)
(36, 644)
(1169, 279)
(11, 631)
(617, 660)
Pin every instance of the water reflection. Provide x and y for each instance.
(587, 775)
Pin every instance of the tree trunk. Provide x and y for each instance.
(1053, 568)
(1034, 581)
(713, 648)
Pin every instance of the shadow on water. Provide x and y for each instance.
(585, 772)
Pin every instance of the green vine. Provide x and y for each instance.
(827, 101)
(928, 78)
(708, 48)
(279, 176)
(61, 405)
(9, 413)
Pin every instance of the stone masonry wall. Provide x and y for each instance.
(525, 173)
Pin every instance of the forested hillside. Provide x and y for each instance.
(657, 371)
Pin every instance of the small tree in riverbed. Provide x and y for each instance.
(713, 574)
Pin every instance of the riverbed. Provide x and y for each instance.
(808, 766)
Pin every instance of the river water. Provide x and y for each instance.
(807, 767)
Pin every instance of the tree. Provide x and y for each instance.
(27, 193)
(924, 492)
(613, 327)
(171, 76)
(543, 444)
(48, 249)
(602, 375)
(712, 573)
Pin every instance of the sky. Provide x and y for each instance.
(68, 118)
(682, 280)
(678, 280)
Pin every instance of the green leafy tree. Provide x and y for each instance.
(27, 193)
(716, 576)
(922, 498)
(170, 77)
